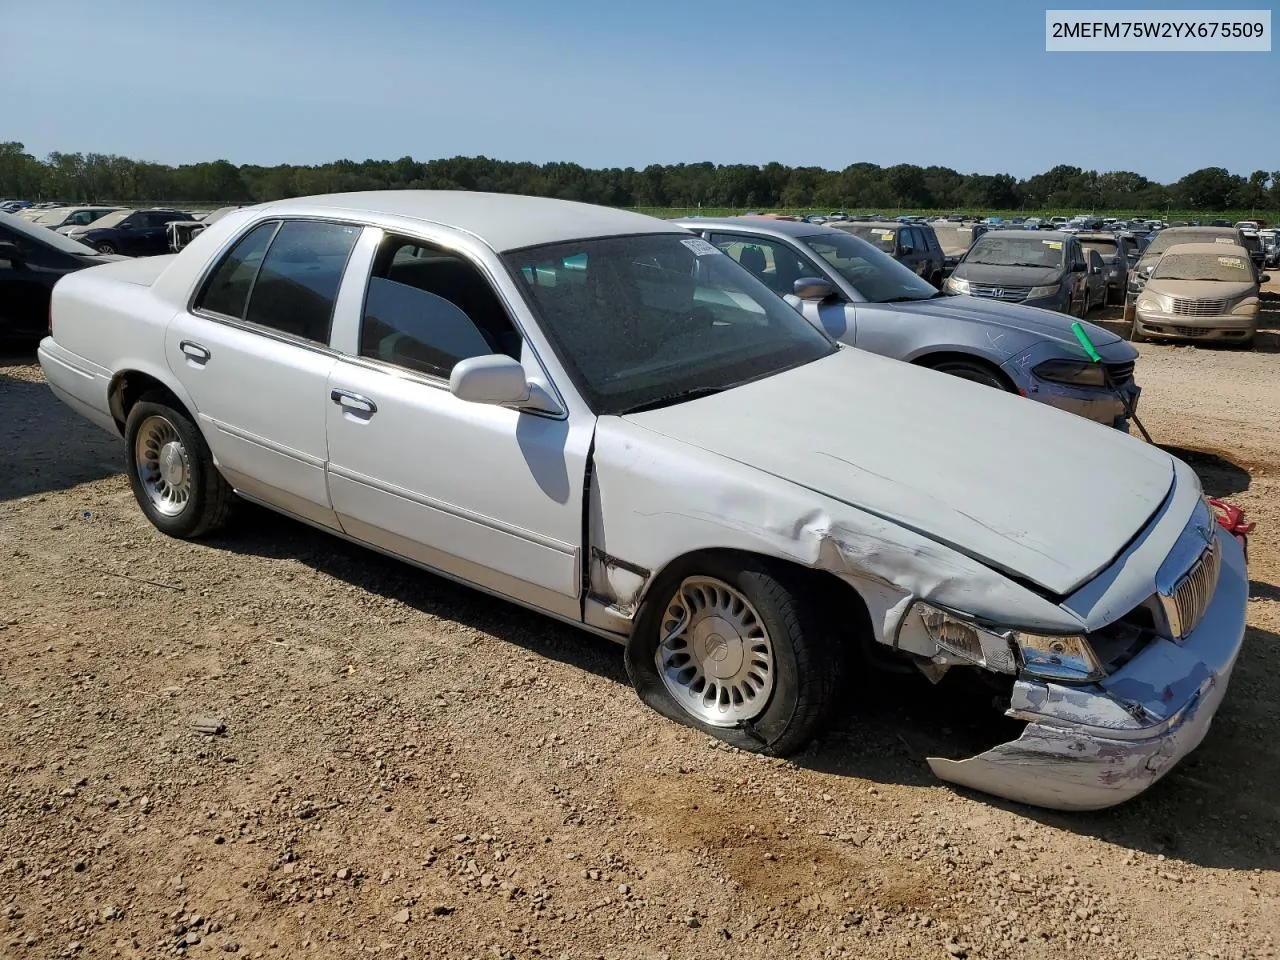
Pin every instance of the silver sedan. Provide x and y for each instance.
(866, 299)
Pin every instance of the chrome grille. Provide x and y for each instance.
(1186, 604)
(1121, 373)
(1198, 308)
(997, 292)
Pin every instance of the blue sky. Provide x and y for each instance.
(620, 83)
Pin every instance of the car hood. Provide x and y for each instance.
(1009, 316)
(1010, 482)
(1011, 276)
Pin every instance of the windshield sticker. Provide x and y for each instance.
(1223, 240)
(700, 247)
(1052, 244)
(881, 232)
(1233, 262)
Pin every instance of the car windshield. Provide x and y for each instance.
(873, 273)
(1168, 238)
(954, 240)
(110, 220)
(1001, 250)
(882, 237)
(44, 236)
(644, 320)
(1104, 248)
(1228, 268)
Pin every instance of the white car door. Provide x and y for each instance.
(489, 494)
(252, 351)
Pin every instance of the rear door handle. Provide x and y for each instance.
(353, 402)
(195, 352)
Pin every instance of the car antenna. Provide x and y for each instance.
(1078, 329)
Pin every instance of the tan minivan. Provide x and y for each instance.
(1200, 291)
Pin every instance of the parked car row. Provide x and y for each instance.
(622, 424)
(864, 297)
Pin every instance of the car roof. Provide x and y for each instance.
(788, 228)
(504, 221)
(791, 228)
(1096, 235)
(1034, 234)
(1217, 249)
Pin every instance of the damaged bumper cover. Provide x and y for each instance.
(1087, 748)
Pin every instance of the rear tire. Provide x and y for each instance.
(171, 470)
(739, 648)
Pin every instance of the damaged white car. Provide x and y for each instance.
(599, 416)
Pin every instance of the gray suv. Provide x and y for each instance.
(1118, 251)
(862, 297)
(914, 245)
(1036, 268)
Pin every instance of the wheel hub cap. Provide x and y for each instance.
(715, 657)
(719, 646)
(173, 469)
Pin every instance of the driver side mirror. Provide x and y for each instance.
(497, 379)
(1265, 278)
(1078, 267)
(813, 289)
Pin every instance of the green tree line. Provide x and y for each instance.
(96, 177)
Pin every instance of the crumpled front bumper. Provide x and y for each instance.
(1087, 748)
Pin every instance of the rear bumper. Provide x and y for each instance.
(79, 383)
(1169, 694)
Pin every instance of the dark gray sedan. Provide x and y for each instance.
(865, 298)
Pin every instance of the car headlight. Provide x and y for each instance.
(958, 285)
(1035, 293)
(1246, 308)
(1067, 658)
(1152, 303)
(1077, 373)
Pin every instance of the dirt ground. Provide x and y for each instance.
(407, 768)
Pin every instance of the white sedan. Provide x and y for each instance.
(602, 417)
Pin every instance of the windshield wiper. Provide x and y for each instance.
(671, 398)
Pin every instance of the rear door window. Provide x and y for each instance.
(299, 277)
(227, 290)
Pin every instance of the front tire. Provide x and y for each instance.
(1135, 332)
(106, 247)
(972, 371)
(738, 648)
(171, 470)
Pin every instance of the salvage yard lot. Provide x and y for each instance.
(412, 769)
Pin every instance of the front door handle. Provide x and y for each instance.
(353, 402)
(195, 352)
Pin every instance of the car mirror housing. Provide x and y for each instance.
(1265, 278)
(495, 379)
(813, 288)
